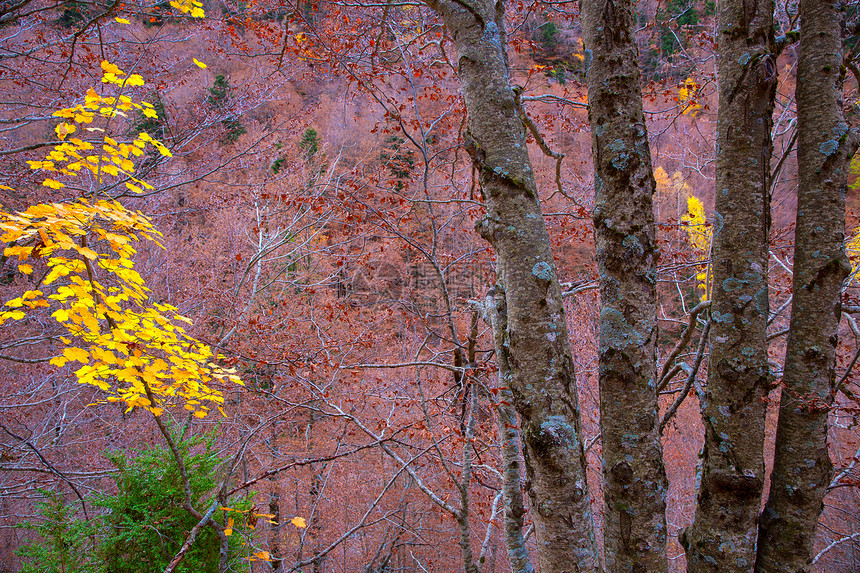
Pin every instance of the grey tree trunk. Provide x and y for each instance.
(634, 479)
(802, 468)
(723, 534)
(514, 508)
(536, 344)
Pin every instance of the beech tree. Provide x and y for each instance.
(803, 471)
(536, 343)
(733, 403)
(635, 485)
(734, 400)
(334, 282)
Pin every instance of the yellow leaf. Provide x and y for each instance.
(53, 184)
(228, 531)
(109, 78)
(88, 253)
(161, 149)
(78, 354)
(299, 522)
(11, 314)
(65, 129)
(58, 361)
(25, 269)
(122, 20)
(199, 64)
(109, 68)
(262, 555)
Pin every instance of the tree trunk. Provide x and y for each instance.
(536, 343)
(723, 534)
(514, 508)
(802, 469)
(275, 549)
(634, 479)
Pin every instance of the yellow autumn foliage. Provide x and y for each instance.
(699, 234)
(136, 351)
(191, 7)
(688, 97)
(852, 249)
(694, 222)
(696, 225)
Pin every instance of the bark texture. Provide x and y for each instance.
(802, 468)
(536, 344)
(634, 479)
(722, 537)
(514, 508)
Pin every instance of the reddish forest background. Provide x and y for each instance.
(318, 217)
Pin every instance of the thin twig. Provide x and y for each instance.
(691, 377)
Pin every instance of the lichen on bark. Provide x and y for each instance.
(538, 348)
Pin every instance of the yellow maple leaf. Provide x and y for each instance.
(122, 20)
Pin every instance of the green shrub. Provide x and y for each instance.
(67, 544)
(219, 93)
(143, 524)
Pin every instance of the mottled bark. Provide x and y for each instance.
(463, 514)
(634, 479)
(802, 468)
(723, 534)
(536, 344)
(514, 508)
